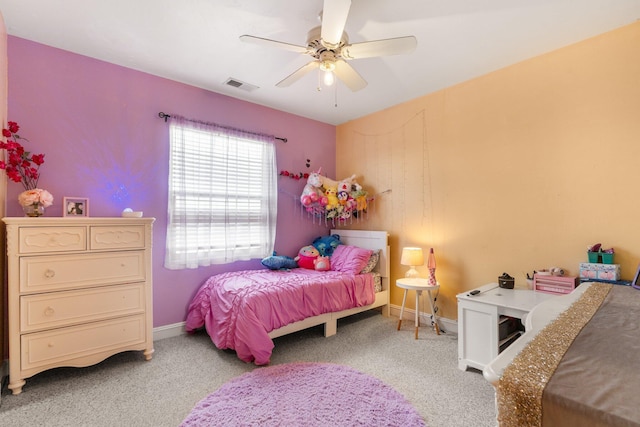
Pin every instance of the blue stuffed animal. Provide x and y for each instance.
(279, 262)
(327, 244)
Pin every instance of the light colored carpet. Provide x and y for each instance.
(126, 390)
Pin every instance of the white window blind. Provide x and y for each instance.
(222, 195)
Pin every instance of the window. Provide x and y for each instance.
(222, 195)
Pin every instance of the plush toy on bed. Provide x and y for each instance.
(327, 244)
(279, 262)
(322, 263)
(306, 256)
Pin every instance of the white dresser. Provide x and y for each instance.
(79, 291)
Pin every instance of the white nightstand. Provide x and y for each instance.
(418, 285)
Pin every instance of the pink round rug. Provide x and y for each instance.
(304, 394)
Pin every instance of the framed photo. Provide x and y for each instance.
(76, 206)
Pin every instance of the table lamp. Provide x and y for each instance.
(412, 257)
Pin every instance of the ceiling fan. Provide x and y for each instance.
(329, 45)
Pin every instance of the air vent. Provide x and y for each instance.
(240, 85)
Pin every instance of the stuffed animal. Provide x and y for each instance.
(331, 194)
(279, 262)
(322, 263)
(311, 193)
(328, 182)
(306, 256)
(326, 244)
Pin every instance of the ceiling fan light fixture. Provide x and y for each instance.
(328, 45)
(327, 67)
(328, 79)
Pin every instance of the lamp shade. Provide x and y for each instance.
(412, 256)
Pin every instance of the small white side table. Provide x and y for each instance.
(417, 284)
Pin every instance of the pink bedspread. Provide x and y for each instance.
(239, 309)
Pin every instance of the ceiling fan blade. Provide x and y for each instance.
(298, 74)
(349, 76)
(395, 46)
(273, 43)
(334, 18)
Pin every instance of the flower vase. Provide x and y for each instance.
(34, 210)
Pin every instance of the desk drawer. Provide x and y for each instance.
(41, 349)
(50, 273)
(51, 239)
(57, 309)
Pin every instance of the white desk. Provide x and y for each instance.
(537, 319)
(479, 317)
(417, 284)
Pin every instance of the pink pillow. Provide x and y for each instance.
(350, 259)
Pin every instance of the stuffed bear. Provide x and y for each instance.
(327, 244)
(306, 256)
(322, 263)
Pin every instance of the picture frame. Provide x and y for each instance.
(75, 207)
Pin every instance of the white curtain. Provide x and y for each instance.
(222, 195)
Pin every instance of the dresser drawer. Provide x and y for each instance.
(63, 345)
(58, 272)
(51, 239)
(57, 309)
(112, 237)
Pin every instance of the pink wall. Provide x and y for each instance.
(98, 126)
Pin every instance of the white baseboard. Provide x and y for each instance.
(447, 325)
(168, 331)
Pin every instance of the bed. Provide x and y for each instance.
(244, 311)
(577, 364)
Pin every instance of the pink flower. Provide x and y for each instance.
(34, 196)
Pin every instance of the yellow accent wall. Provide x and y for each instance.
(517, 170)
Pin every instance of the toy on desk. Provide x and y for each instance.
(506, 281)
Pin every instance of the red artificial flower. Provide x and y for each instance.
(20, 165)
(38, 159)
(13, 127)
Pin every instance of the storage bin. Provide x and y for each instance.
(593, 256)
(607, 258)
(599, 271)
(555, 284)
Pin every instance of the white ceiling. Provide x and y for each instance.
(197, 42)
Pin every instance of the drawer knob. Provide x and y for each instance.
(49, 273)
(49, 311)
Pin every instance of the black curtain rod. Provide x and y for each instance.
(166, 116)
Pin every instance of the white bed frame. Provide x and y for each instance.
(365, 239)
